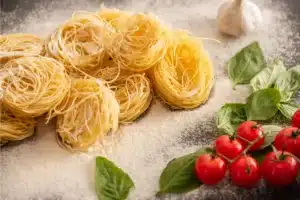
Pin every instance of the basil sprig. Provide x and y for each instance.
(112, 183)
(246, 64)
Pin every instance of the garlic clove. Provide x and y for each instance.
(252, 17)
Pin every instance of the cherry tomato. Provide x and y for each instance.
(280, 171)
(245, 172)
(288, 139)
(296, 119)
(250, 130)
(210, 169)
(228, 147)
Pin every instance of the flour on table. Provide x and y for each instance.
(39, 169)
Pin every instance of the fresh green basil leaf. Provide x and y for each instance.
(262, 104)
(271, 131)
(267, 77)
(288, 109)
(112, 183)
(179, 175)
(288, 83)
(230, 116)
(246, 64)
(260, 155)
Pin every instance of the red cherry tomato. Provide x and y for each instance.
(288, 139)
(245, 172)
(250, 130)
(210, 169)
(296, 119)
(280, 171)
(230, 148)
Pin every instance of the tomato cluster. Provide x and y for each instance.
(231, 153)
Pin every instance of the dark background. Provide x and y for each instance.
(6, 6)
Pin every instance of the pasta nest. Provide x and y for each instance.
(18, 45)
(13, 128)
(86, 115)
(78, 43)
(31, 86)
(184, 77)
(138, 41)
(133, 90)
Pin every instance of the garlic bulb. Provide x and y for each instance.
(237, 17)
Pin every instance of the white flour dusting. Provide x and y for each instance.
(39, 169)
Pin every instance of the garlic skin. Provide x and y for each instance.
(238, 17)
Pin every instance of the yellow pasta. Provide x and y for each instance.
(134, 96)
(18, 45)
(31, 86)
(78, 43)
(138, 43)
(133, 90)
(86, 115)
(184, 77)
(13, 128)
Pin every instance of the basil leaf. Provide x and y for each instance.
(179, 175)
(271, 131)
(267, 77)
(230, 116)
(288, 83)
(262, 104)
(112, 183)
(288, 109)
(246, 64)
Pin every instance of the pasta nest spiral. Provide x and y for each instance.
(184, 77)
(86, 115)
(112, 16)
(31, 86)
(18, 45)
(137, 43)
(78, 43)
(134, 96)
(132, 90)
(14, 129)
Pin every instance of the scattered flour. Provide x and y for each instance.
(39, 170)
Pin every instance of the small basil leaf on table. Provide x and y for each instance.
(288, 109)
(267, 77)
(271, 131)
(246, 64)
(288, 83)
(179, 175)
(262, 104)
(230, 116)
(112, 183)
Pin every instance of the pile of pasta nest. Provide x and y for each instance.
(95, 71)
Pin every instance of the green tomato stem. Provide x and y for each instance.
(250, 143)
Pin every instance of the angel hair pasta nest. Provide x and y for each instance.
(13, 128)
(32, 86)
(132, 90)
(138, 42)
(78, 43)
(86, 115)
(184, 77)
(18, 45)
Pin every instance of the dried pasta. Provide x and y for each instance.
(86, 115)
(31, 86)
(184, 77)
